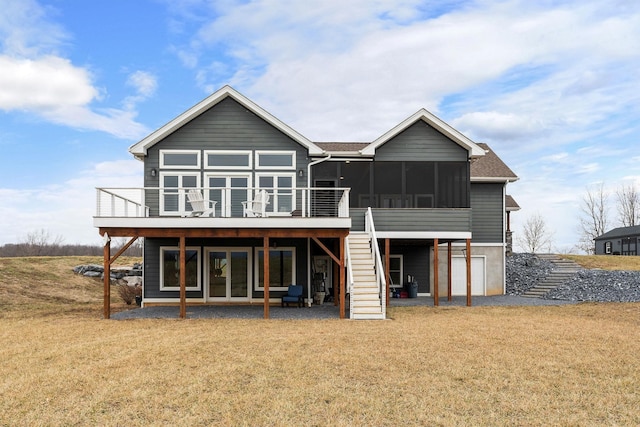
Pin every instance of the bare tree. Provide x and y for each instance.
(594, 220)
(38, 243)
(628, 205)
(535, 235)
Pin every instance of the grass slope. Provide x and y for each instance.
(565, 365)
(607, 262)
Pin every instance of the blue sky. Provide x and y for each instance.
(552, 86)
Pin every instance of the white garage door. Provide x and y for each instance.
(459, 275)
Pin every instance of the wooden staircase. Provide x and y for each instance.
(364, 300)
(563, 270)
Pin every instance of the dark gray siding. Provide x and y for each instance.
(152, 263)
(415, 259)
(414, 219)
(487, 207)
(420, 142)
(226, 126)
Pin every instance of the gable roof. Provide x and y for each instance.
(510, 203)
(435, 122)
(490, 168)
(139, 149)
(634, 230)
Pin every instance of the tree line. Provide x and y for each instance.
(42, 243)
(595, 218)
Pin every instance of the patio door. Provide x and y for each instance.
(229, 190)
(228, 274)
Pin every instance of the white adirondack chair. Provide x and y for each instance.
(200, 206)
(256, 207)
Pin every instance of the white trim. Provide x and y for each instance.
(180, 167)
(176, 222)
(480, 245)
(267, 153)
(396, 256)
(494, 179)
(272, 207)
(198, 287)
(474, 149)
(140, 149)
(248, 153)
(423, 234)
(256, 280)
(180, 191)
(228, 249)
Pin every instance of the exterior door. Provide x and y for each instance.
(228, 274)
(229, 191)
(459, 276)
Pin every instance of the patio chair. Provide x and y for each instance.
(199, 205)
(294, 294)
(256, 207)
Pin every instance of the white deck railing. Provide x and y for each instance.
(380, 275)
(166, 202)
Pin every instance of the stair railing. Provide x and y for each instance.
(349, 277)
(370, 229)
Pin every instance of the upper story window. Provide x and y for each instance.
(228, 159)
(180, 159)
(275, 160)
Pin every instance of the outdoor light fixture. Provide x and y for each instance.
(300, 173)
(154, 172)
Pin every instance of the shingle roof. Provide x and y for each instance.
(511, 204)
(342, 146)
(490, 167)
(620, 232)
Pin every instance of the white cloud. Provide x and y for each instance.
(35, 79)
(70, 206)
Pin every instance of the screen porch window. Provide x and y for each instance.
(282, 268)
(170, 269)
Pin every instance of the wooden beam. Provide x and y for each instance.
(449, 258)
(436, 297)
(265, 245)
(183, 277)
(124, 248)
(224, 232)
(324, 248)
(107, 279)
(342, 277)
(387, 263)
(469, 272)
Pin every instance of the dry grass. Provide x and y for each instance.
(607, 262)
(567, 365)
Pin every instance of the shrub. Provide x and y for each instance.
(129, 293)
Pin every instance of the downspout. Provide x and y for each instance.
(324, 159)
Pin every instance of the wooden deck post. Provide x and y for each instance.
(387, 263)
(449, 258)
(342, 276)
(107, 278)
(436, 297)
(266, 276)
(469, 272)
(183, 277)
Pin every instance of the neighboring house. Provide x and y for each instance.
(280, 209)
(619, 241)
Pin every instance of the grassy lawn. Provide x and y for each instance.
(64, 365)
(607, 262)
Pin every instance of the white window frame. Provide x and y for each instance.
(182, 203)
(198, 287)
(248, 153)
(280, 153)
(257, 286)
(607, 247)
(272, 207)
(164, 166)
(401, 258)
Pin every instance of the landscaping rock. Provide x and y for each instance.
(524, 271)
